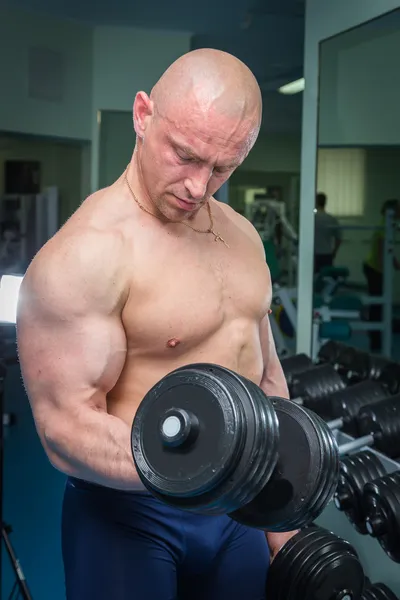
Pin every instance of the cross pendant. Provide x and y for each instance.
(218, 238)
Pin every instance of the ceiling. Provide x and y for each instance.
(267, 35)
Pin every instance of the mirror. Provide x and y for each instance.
(356, 282)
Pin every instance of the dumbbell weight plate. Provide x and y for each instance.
(315, 565)
(378, 591)
(315, 386)
(355, 471)
(390, 376)
(346, 403)
(292, 365)
(305, 476)
(381, 503)
(382, 420)
(205, 439)
(330, 352)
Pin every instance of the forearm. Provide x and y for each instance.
(95, 447)
(273, 382)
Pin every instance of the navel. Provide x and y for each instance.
(173, 343)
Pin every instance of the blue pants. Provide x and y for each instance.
(130, 546)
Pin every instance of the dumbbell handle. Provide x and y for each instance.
(298, 400)
(336, 423)
(367, 440)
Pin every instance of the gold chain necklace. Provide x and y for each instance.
(217, 236)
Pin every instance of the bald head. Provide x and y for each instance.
(209, 82)
(200, 122)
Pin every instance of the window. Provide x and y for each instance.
(341, 176)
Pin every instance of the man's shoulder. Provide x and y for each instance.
(242, 223)
(237, 218)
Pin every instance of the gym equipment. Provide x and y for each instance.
(355, 472)
(378, 591)
(303, 481)
(379, 426)
(314, 387)
(345, 405)
(381, 503)
(354, 365)
(330, 351)
(390, 376)
(293, 365)
(315, 564)
(206, 440)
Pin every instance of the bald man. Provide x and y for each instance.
(150, 274)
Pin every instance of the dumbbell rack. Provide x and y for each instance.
(377, 565)
(389, 464)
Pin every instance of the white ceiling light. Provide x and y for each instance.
(294, 87)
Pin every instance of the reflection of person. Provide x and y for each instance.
(327, 235)
(10, 247)
(373, 271)
(150, 274)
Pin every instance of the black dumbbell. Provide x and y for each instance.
(314, 387)
(345, 405)
(355, 472)
(378, 426)
(315, 564)
(390, 376)
(381, 505)
(330, 352)
(206, 440)
(378, 591)
(356, 365)
(293, 365)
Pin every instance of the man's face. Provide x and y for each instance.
(185, 158)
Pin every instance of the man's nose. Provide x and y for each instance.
(197, 183)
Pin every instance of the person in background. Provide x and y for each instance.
(327, 235)
(373, 271)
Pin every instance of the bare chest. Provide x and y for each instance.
(186, 292)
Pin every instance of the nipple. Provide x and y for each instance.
(173, 343)
(269, 311)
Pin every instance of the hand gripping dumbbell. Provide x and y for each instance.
(315, 564)
(345, 405)
(378, 426)
(355, 471)
(314, 387)
(378, 591)
(381, 505)
(206, 440)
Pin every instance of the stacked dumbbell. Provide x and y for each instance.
(339, 367)
(352, 392)
(381, 505)
(378, 591)
(355, 472)
(370, 498)
(209, 441)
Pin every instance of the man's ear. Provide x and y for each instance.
(142, 112)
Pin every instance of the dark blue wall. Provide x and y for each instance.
(32, 498)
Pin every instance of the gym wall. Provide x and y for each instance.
(357, 80)
(61, 165)
(47, 86)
